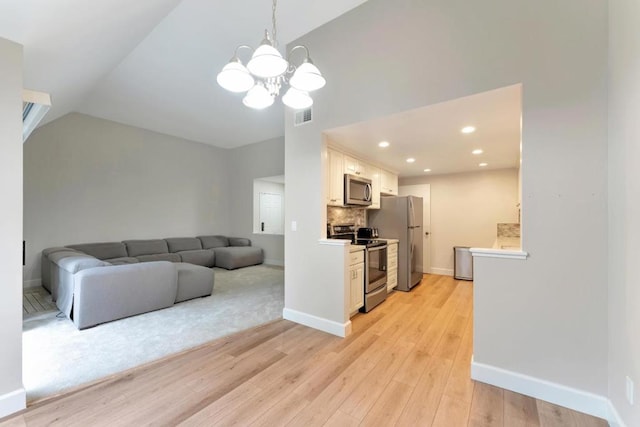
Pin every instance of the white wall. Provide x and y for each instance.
(465, 210)
(91, 180)
(12, 395)
(248, 162)
(624, 205)
(545, 317)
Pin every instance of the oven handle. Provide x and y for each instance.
(377, 248)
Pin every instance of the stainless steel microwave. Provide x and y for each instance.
(357, 190)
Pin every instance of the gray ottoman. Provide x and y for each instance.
(194, 281)
(233, 257)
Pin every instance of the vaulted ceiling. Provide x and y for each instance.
(152, 63)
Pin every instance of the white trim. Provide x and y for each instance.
(578, 400)
(13, 402)
(443, 271)
(614, 418)
(334, 242)
(35, 283)
(320, 323)
(498, 253)
(278, 262)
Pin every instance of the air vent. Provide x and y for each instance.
(301, 117)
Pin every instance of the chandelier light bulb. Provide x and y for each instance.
(267, 62)
(307, 77)
(297, 99)
(258, 98)
(235, 77)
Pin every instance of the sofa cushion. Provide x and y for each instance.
(159, 257)
(73, 264)
(179, 244)
(204, 257)
(45, 264)
(105, 294)
(104, 250)
(239, 241)
(194, 281)
(238, 256)
(122, 260)
(210, 242)
(136, 248)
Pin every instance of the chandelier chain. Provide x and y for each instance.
(273, 21)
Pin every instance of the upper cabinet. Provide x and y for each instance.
(339, 163)
(388, 183)
(354, 166)
(335, 178)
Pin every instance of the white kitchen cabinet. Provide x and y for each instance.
(354, 166)
(374, 176)
(356, 281)
(388, 183)
(335, 178)
(392, 266)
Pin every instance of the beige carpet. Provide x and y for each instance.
(57, 356)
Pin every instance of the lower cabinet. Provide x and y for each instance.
(356, 282)
(392, 266)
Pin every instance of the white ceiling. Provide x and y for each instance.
(152, 63)
(432, 135)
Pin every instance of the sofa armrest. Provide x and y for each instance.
(115, 292)
(239, 241)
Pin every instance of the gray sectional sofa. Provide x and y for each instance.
(95, 283)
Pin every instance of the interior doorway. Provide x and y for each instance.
(424, 191)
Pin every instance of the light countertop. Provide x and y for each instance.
(389, 240)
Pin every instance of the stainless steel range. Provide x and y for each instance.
(375, 263)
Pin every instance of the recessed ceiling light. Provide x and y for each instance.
(468, 129)
(411, 160)
(427, 170)
(483, 164)
(478, 151)
(383, 144)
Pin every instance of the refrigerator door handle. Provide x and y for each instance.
(411, 218)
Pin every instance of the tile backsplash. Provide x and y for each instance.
(339, 215)
(508, 230)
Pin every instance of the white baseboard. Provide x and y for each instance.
(278, 262)
(442, 271)
(320, 323)
(578, 400)
(13, 402)
(35, 283)
(614, 419)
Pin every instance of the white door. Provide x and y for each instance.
(424, 191)
(271, 218)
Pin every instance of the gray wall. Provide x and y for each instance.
(12, 396)
(258, 160)
(90, 180)
(624, 205)
(545, 317)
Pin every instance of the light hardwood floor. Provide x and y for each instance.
(36, 300)
(406, 364)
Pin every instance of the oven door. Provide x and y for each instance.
(376, 266)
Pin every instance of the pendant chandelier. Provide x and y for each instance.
(267, 71)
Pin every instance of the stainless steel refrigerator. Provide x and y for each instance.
(401, 218)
